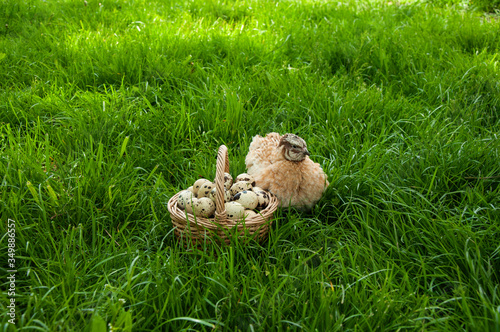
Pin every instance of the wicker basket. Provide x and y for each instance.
(220, 228)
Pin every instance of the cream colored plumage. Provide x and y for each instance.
(281, 164)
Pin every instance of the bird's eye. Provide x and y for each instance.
(294, 146)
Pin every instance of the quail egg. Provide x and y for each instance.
(190, 204)
(204, 207)
(198, 184)
(247, 198)
(240, 186)
(228, 181)
(205, 189)
(255, 189)
(250, 214)
(190, 189)
(263, 198)
(184, 197)
(245, 177)
(213, 194)
(234, 210)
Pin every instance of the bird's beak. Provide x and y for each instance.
(306, 152)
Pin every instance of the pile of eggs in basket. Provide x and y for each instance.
(241, 197)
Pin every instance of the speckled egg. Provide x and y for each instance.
(228, 181)
(263, 198)
(190, 189)
(240, 186)
(234, 210)
(250, 214)
(247, 198)
(205, 189)
(213, 194)
(190, 204)
(204, 207)
(184, 197)
(198, 184)
(257, 189)
(245, 177)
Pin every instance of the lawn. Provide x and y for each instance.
(109, 108)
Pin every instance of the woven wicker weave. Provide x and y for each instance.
(220, 228)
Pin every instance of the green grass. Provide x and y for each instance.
(108, 109)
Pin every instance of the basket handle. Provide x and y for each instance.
(222, 166)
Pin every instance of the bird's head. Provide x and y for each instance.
(294, 147)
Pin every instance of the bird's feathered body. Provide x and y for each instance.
(281, 164)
